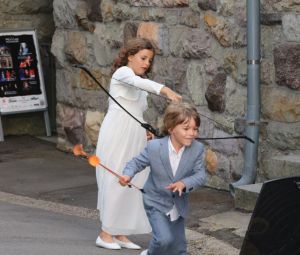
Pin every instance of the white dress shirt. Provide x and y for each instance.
(174, 158)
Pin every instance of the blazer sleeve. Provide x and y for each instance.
(198, 178)
(137, 164)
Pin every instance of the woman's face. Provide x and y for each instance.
(141, 61)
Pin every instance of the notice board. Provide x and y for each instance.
(21, 79)
(22, 86)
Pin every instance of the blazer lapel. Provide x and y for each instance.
(164, 155)
(182, 164)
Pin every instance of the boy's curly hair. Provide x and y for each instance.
(177, 113)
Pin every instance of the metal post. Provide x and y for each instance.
(253, 94)
(47, 123)
(1, 131)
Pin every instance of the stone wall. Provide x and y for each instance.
(28, 14)
(201, 47)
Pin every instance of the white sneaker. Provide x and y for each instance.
(106, 245)
(145, 252)
(127, 245)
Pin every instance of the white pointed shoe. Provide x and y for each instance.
(145, 252)
(106, 245)
(127, 245)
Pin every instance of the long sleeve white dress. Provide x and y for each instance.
(120, 139)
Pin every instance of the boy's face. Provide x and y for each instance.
(141, 61)
(183, 134)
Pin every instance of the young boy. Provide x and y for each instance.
(176, 168)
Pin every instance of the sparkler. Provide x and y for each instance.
(95, 161)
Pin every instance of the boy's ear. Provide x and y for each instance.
(170, 130)
(130, 58)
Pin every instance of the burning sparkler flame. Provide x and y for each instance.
(94, 160)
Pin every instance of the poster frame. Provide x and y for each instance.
(43, 107)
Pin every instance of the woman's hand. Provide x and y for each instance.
(172, 95)
(177, 186)
(124, 180)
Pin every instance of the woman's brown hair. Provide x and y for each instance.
(177, 113)
(131, 47)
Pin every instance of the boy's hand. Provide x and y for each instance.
(150, 136)
(177, 186)
(124, 180)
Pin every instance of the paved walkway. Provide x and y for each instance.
(47, 201)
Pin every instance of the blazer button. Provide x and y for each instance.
(173, 195)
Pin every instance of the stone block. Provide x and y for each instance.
(86, 82)
(92, 125)
(237, 96)
(189, 19)
(160, 3)
(43, 23)
(57, 48)
(130, 30)
(207, 5)
(190, 43)
(270, 19)
(64, 13)
(291, 27)
(25, 6)
(196, 81)
(287, 65)
(282, 166)
(76, 47)
(107, 10)
(267, 72)
(280, 105)
(284, 5)
(246, 196)
(95, 10)
(283, 136)
(107, 40)
(70, 122)
(155, 32)
(215, 93)
(219, 27)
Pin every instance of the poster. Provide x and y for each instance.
(21, 78)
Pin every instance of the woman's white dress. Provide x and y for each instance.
(120, 139)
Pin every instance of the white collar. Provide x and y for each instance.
(172, 149)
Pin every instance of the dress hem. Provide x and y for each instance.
(125, 232)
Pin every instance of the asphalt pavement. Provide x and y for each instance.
(48, 200)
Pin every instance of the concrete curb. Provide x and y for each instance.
(49, 206)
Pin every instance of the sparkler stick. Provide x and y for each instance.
(95, 161)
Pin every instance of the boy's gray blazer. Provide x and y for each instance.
(190, 171)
